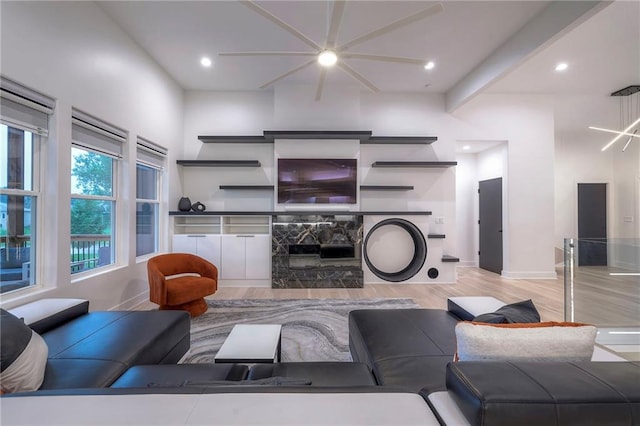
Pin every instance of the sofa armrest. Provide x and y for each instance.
(541, 393)
(46, 314)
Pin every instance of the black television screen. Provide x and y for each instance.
(317, 181)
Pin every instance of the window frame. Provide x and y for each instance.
(113, 199)
(93, 135)
(35, 192)
(156, 202)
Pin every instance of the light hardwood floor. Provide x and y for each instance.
(547, 295)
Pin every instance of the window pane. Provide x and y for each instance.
(146, 183)
(17, 242)
(92, 242)
(16, 152)
(91, 173)
(146, 228)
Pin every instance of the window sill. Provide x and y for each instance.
(96, 272)
(11, 300)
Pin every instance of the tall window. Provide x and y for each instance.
(148, 174)
(24, 117)
(95, 155)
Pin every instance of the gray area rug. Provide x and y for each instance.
(312, 329)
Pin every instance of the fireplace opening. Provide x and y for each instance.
(321, 255)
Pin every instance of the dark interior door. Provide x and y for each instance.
(490, 195)
(592, 224)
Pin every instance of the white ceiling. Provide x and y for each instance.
(603, 53)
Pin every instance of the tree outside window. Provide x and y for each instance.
(92, 210)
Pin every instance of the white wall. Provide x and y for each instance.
(578, 160)
(467, 209)
(473, 168)
(294, 108)
(73, 52)
(226, 113)
(527, 123)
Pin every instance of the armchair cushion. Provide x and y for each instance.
(185, 289)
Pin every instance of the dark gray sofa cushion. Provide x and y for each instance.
(129, 337)
(317, 373)
(112, 342)
(166, 375)
(404, 347)
(524, 393)
(48, 323)
(80, 373)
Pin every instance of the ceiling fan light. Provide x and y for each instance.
(327, 58)
(429, 65)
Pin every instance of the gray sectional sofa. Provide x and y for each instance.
(402, 374)
(93, 349)
(413, 350)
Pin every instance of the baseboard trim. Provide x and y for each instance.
(244, 283)
(527, 275)
(132, 303)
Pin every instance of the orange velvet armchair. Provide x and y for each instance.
(185, 292)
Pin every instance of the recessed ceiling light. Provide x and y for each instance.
(429, 65)
(562, 66)
(327, 58)
(205, 62)
(466, 147)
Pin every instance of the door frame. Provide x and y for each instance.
(575, 204)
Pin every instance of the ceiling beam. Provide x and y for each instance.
(554, 21)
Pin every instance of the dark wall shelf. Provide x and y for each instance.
(246, 187)
(301, 213)
(219, 163)
(386, 187)
(399, 140)
(234, 139)
(317, 134)
(363, 135)
(436, 236)
(425, 164)
(446, 258)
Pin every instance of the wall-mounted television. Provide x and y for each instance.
(317, 180)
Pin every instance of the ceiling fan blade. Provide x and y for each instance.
(288, 73)
(267, 54)
(334, 26)
(384, 58)
(353, 73)
(323, 74)
(432, 10)
(251, 5)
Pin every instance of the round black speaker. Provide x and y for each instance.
(419, 253)
(433, 273)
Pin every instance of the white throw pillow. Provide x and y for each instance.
(545, 341)
(26, 373)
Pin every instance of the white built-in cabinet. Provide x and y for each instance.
(246, 257)
(205, 246)
(239, 246)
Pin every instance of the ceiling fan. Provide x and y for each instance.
(332, 52)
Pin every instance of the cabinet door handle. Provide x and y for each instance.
(245, 236)
(191, 236)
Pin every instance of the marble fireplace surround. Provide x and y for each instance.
(317, 250)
